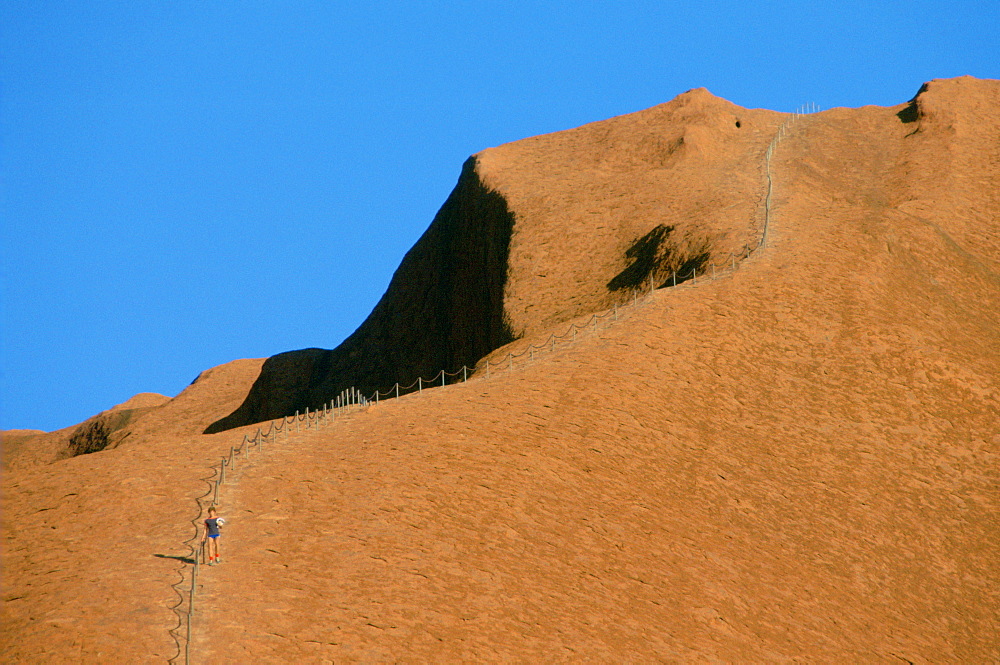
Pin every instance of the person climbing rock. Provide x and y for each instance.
(212, 525)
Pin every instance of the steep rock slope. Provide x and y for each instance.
(798, 462)
(539, 231)
(93, 543)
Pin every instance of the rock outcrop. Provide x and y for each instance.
(794, 462)
(538, 232)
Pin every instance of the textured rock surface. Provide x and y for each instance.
(798, 462)
(795, 462)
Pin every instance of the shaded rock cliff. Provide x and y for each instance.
(537, 232)
(444, 308)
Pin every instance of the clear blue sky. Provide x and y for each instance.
(187, 183)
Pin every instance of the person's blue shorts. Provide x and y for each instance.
(215, 535)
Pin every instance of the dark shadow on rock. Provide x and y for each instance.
(911, 113)
(182, 559)
(105, 430)
(644, 255)
(686, 269)
(443, 309)
(654, 257)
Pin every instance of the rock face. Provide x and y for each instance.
(145, 416)
(444, 309)
(796, 462)
(538, 232)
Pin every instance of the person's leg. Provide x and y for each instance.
(218, 555)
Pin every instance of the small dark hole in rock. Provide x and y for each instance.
(737, 124)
